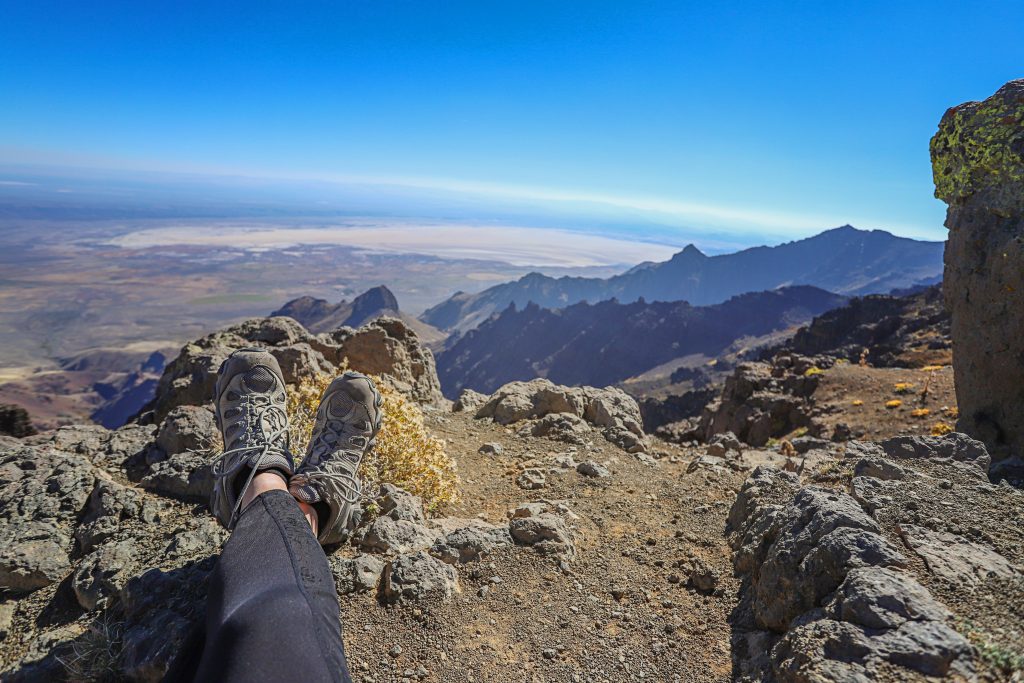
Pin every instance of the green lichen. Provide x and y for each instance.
(980, 145)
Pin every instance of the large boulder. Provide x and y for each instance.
(764, 400)
(978, 167)
(827, 595)
(612, 410)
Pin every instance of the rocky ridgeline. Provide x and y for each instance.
(385, 347)
(855, 583)
(761, 401)
(978, 164)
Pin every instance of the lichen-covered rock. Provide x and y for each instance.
(978, 168)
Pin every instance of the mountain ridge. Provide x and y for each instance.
(843, 260)
(608, 342)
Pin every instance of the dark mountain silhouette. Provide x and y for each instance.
(319, 315)
(604, 343)
(843, 260)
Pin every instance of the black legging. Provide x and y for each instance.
(272, 610)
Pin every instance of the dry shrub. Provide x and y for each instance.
(941, 428)
(903, 387)
(406, 454)
(920, 412)
(857, 402)
(895, 403)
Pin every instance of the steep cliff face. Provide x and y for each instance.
(978, 165)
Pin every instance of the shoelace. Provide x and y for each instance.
(336, 485)
(269, 445)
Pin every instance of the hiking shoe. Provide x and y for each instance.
(251, 413)
(347, 421)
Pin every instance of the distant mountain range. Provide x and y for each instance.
(319, 315)
(608, 342)
(844, 260)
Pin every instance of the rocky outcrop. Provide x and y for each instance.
(609, 409)
(856, 584)
(761, 401)
(884, 331)
(386, 347)
(978, 167)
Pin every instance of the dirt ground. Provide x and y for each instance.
(619, 611)
(862, 396)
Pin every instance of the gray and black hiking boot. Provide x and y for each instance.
(251, 412)
(347, 422)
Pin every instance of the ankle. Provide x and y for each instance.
(309, 512)
(261, 483)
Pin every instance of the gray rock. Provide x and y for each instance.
(399, 504)
(356, 575)
(720, 444)
(531, 479)
(189, 428)
(7, 610)
(42, 492)
(610, 409)
(110, 505)
(803, 444)
(102, 574)
(782, 590)
(470, 543)
(884, 599)
(590, 468)
(417, 577)
(528, 510)
(546, 532)
(159, 610)
(567, 427)
(386, 535)
(468, 401)
(564, 461)
(702, 576)
(186, 475)
(954, 558)
(491, 448)
(879, 468)
(957, 447)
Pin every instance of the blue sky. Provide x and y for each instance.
(767, 119)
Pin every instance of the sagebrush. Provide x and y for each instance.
(406, 454)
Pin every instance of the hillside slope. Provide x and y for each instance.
(844, 260)
(609, 342)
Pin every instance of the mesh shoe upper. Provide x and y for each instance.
(251, 411)
(347, 422)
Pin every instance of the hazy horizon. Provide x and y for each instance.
(667, 123)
